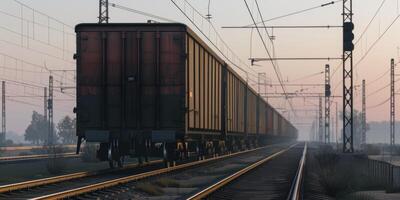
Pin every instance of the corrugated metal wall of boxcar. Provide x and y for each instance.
(90, 80)
(284, 132)
(235, 104)
(251, 112)
(131, 80)
(162, 80)
(262, 117)
(270, 120)
(280, 125)
(275, 123)
(114, 78)
(204, 88)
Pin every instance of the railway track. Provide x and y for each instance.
(14, 159)
(7, 191)
(24, 148)
(87, 185)
(278, 176)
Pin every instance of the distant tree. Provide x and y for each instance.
(37, 131)
(66, 130)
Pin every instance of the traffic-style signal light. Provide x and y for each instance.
(348, 36)
(327, 90)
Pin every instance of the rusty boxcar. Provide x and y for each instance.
(141, 84)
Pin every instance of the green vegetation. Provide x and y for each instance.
(341, 175)
(38, 130)
(66, 130)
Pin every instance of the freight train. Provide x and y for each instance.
(144, 85)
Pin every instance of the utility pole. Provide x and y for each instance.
(3, 112)
(259, 83)
(392, 108)
(337, 126)
(45, 103)
(347, 57)
(50, 110)
(327, 104)
(320, 124)
(364, 116)
(103, 11)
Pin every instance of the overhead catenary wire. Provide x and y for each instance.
(370, 48)
(254, 74)
(370, 22)
(364, 31)
(296, 12)
(141, 12)
(269, 55)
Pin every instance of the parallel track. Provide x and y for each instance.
(29, 158)
(278, 176)
(84, 185)
(7, 190)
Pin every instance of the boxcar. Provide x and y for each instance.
(144, 84)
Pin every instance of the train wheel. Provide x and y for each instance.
(114, 157)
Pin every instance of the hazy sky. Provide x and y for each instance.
(59, 47)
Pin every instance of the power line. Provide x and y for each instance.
(371, 47)
(297, 12)
(42, 13)
(377, 40)
(269, 55)
(231, 60)
(140, 12)
(37, 23)
(363, 33)
(370, 22)
(38, 51)
(308, 76)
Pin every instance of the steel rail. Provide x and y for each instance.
(208, 191)
(31, 147)
(295, 191)
(123, 180)
(58, 179)
(37, 157)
